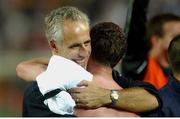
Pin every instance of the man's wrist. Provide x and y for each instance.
(107, 99)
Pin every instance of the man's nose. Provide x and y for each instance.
(83, 51)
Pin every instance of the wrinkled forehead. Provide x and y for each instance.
(74, 26)
(74, 31)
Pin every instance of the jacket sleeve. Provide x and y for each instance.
(129, 82)
(135, 60)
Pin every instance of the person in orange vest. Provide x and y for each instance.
(146, 60)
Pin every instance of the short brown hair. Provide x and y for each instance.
(108, 43)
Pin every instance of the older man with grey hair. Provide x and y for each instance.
(67, 31)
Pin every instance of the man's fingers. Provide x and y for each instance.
(78, 98)
(74, 90)
(83, 83)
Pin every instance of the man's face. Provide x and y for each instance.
(76, 45)
(170, 29)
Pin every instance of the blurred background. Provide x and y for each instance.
(22, 36)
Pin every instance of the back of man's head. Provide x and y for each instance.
(108, 43)
(156, 23)
(174, 54)
(54, 21)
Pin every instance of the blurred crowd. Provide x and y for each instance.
(21, 22)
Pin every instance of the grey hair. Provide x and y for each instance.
(54, 21)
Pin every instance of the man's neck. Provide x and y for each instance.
(98, 69)
(102, 75)
(159, 57)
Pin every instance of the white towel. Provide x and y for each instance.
(63, 74)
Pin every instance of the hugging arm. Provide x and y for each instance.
(134, 99)
(30, 69)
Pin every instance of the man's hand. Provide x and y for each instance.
(90, 96)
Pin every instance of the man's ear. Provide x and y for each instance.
(53, 46)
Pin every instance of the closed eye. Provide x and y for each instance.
(74, 45)
(87, 42)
